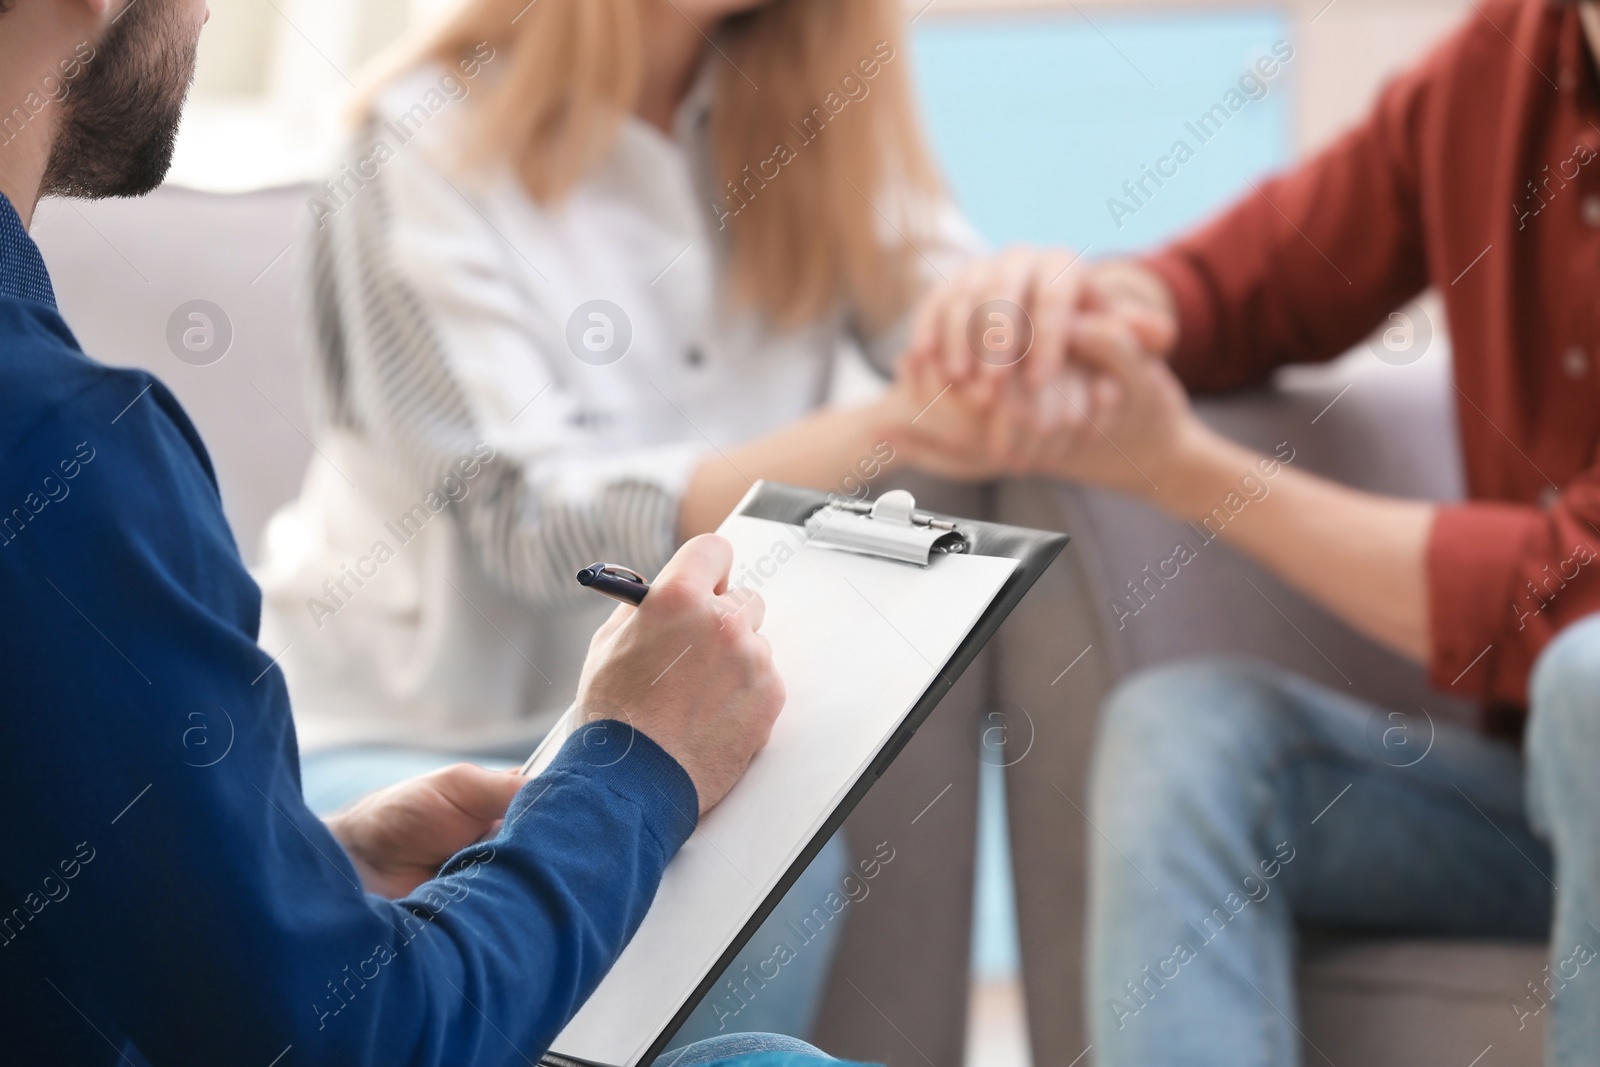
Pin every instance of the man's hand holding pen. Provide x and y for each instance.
(689, 669)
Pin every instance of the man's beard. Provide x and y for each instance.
(120, 121)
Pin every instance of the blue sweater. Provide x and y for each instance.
(165, 895)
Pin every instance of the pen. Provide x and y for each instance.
(617, 582)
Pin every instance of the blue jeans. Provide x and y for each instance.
(1234, 803)
(787, 1004)
(732, 1046)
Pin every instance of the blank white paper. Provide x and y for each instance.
(857, 641)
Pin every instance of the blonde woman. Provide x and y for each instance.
(592, 267)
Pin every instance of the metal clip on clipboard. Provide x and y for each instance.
(890, 527)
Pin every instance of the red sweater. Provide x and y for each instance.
(1478, 173)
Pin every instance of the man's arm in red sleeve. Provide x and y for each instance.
(1474, 590)
(1505, 579)
(1306, 264)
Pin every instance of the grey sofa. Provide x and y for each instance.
(898, 991)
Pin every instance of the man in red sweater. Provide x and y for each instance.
(1474, 174)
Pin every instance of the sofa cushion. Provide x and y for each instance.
(1378, 1002)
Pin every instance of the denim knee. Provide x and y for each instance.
(1188, 735)
(732, 1046)
(1563, 737)
(1569, 667)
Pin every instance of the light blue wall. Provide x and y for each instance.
(1037, 120)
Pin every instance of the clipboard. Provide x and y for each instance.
(623, 1023)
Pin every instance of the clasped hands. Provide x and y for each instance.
(1030, 363)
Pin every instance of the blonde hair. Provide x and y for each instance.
(822, 176)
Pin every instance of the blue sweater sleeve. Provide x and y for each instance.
(163, 885)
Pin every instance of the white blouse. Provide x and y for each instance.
(507, 392)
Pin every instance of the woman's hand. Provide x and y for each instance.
(999, 331)
(399, 837)
(937, 426)
(1142, 427)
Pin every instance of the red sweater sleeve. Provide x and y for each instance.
(1307, 263)
(1502, 581)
